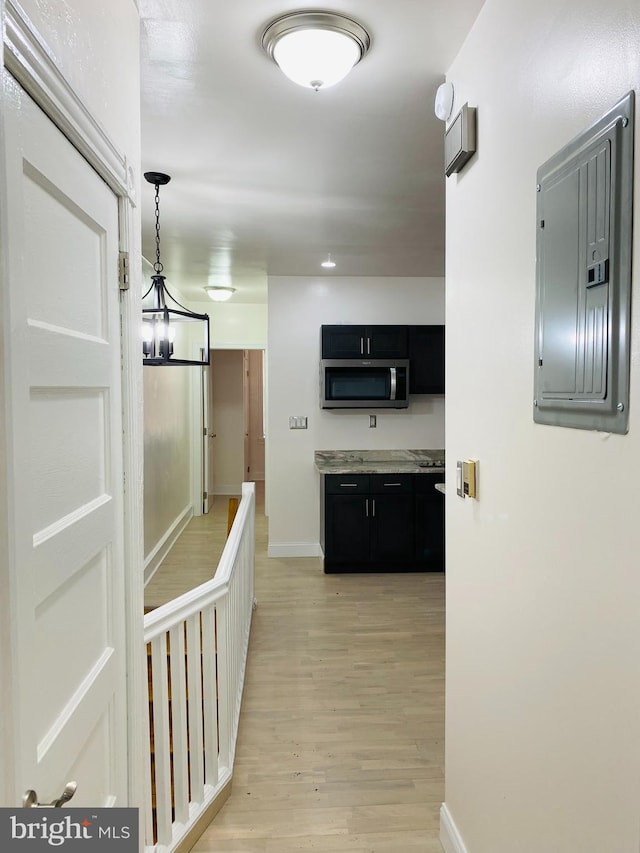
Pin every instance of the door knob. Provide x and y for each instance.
(212, 435)
(30, 798)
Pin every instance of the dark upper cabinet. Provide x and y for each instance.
(365, 342)
(422, 345)
(426, 355)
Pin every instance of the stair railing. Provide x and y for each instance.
(196, 651)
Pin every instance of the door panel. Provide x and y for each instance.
(227, 406)
(64, 449)
(347, 529)
(392, 528)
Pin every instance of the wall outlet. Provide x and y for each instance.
(297, 422)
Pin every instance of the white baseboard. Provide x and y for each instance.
(450, 837)
(166, 543)
(294, 549)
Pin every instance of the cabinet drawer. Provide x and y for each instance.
(391, 483)
(346, 484)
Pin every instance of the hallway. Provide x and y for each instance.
(341, 740)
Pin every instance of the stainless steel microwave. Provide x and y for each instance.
(364, 384)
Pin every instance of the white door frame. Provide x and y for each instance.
(29, 60)
(197, 460)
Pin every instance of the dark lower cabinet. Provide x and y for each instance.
(347, 529)
(391, 528)
(376, 522)
(430, 531)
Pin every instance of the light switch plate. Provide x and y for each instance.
(297, 422)
(470, 478)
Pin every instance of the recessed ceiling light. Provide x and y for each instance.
(328, 264)
(220, 294)
(315, 49)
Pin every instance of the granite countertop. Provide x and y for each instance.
(379, 461)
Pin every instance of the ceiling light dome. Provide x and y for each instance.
(315, 49)
(220, 294)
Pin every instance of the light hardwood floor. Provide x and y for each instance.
(341, 740)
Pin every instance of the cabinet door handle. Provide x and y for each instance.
(368, 346)
(361, 346)
(373, 508)
(366, 507)
(392, 484)
(348, 485)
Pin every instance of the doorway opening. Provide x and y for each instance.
(234, 422)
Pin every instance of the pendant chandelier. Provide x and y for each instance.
(170, 336)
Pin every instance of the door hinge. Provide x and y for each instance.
(204, 496)
(204, 431)
(123, 270)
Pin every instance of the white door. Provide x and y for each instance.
(63, 433)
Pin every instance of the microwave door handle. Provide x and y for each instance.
(394, 383)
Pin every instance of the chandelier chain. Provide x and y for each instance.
(158, 267)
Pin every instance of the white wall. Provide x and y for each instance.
(92, 42)
(543, 573)
(170, 423)
(235, 325)
(167, 454)
(297, 309)
(172, 420)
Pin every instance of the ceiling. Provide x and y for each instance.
(268, 177)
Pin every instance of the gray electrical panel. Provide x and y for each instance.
(583, 277)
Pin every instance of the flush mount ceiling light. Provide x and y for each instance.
(314, 48)
(169, 336)
(328, 264)
(220, 294)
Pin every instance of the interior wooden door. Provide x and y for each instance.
(63, 458)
